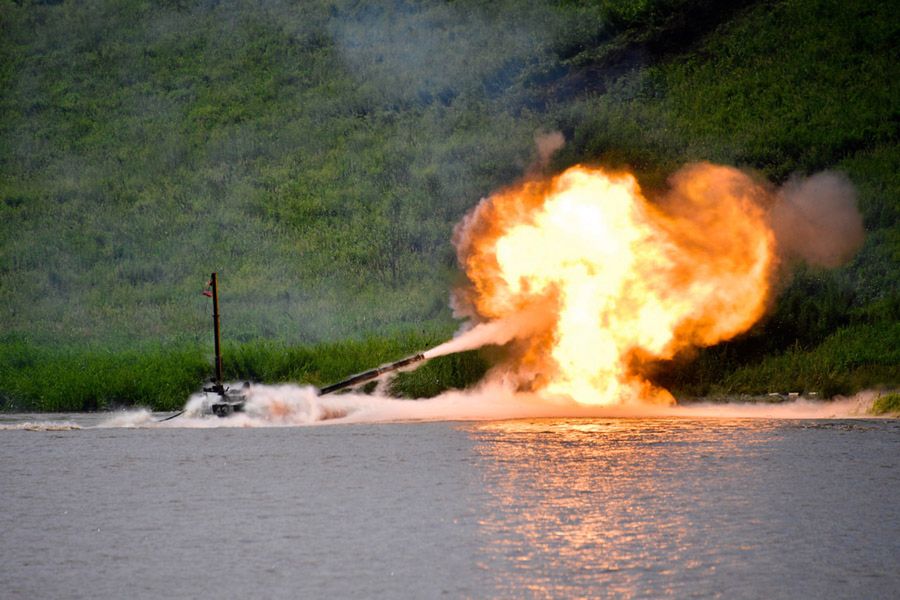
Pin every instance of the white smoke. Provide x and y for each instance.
(498, 332)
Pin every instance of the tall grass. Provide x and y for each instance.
(888, 404)
(73, 379)
(850, 359)
(47, 379)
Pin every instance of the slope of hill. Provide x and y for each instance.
(317, 154)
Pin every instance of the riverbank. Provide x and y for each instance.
(161, 377)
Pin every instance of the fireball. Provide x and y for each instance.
(611, 280)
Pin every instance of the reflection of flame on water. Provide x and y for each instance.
(609, 280)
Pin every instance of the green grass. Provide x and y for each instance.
(75, 379)
(161, 378)
(886, 405)
(851, 359)
(318, 156)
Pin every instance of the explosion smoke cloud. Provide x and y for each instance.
(817, 220)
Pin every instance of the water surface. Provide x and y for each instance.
(630, 508)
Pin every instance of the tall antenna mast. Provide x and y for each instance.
(215, 296)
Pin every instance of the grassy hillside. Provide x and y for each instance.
(317, 154)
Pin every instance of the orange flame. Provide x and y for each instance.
(611, 280)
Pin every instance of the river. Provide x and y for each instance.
(540, 507)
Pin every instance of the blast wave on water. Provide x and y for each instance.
(294, 405)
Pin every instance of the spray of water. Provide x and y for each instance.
(293, 405)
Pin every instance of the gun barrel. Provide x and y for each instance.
(369, 375)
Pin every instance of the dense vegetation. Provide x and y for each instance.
(317, 155)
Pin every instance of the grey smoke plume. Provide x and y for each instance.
(817, 220)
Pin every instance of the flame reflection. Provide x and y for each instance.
(580, 506)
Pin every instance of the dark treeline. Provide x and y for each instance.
(318, 153)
